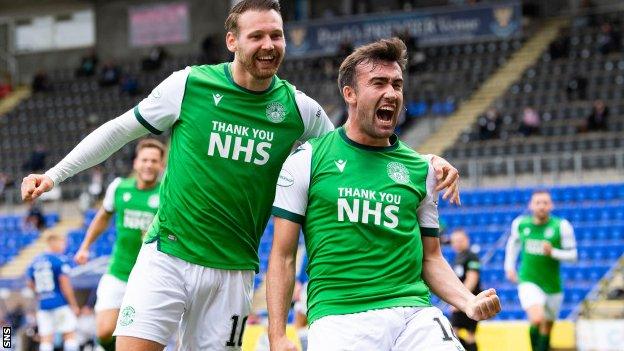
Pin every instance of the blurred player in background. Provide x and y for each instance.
(369, 207)
(47, 277)
(467, 268)
(543, 241)
(232, 126)
(135, 200)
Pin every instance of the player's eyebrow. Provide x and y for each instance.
(261, 32)
(385, 80)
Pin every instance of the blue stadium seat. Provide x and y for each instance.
(617, 233)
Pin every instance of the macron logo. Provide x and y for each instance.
(341, 165)
(217, 98)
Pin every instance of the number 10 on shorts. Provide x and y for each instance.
(235, 328)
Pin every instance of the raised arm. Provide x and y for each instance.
(93, 149)
(156, 113)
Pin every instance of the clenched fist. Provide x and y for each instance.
(484, 306)
(34, 185)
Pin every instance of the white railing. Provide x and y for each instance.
(564, 168)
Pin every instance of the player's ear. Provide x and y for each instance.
(349, 94)
(231, 41)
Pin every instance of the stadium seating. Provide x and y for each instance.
(14, 237)
(595, 211)
(543, 87)
(103, 246)
(58, 119)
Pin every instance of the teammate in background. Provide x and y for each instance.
(369, 208)
(467, 268)
(47, 277)
(135, 200)
(232, 126)
(544, 241)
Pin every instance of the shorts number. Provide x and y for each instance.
(231, 342)
(446, 337)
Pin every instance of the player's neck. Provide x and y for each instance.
(539, 221)
(359, 136)
(246, 80)
(142, 185)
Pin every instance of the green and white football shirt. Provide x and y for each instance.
(529, 238)
(363, 211)
(227, 148)
(135, 209)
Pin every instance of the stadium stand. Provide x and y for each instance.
(563, 143)
(14, 236)
(59, 118)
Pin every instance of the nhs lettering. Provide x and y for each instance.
(236, 142)
(368, 206)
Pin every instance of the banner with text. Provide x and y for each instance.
(431, 27)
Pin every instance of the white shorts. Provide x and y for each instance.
(58, 320)
(530, 295)
(388, 329)
(110, 293)
(210, 306)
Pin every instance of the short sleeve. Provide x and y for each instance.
(428, 209)
(65, 267)
(109, 198)
(161, 109)
(473, 262)
(315, 120)
(291, 192)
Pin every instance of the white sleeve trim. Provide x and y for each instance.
(161, 109)
(315, 120)
(109, 199)
(568, 250)
(291, 192)
(98, 146)
(513, 247)
(428, 209)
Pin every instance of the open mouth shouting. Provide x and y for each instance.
(385, 114)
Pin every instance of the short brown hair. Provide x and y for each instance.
(387, 50)
(231, 22)
(149, 142)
